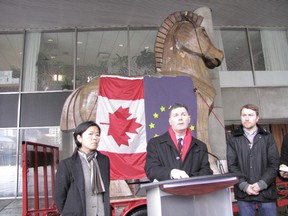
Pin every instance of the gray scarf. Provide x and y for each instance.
(96, 178)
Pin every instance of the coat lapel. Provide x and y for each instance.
(167, 139)
(78, 175)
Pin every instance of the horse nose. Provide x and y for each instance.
(218, 62)
(212, 63)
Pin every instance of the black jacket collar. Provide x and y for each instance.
(239, 131)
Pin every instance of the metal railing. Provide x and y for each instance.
(37, 159)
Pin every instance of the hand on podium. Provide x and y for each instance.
(178, 174)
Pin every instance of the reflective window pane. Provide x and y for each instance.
(49, 61)
(8, 110)
(48, 136)
(257, 51)
(8, 166)
(275, 49)
(101, 52)
(11, 54)
(42, 109)
(236, 50)
(142, 52)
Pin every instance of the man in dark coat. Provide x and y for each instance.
(284, 159)
(252, 152)
(176, 154)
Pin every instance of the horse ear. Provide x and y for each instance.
(194, 18)
(207, 20)
(199, 20)
(203, 12)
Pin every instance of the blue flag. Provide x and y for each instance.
(162, 92)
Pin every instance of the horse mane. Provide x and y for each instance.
(167, 25)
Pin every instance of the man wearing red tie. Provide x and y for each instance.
(176, 154)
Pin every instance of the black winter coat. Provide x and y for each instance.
(163, 156)
(284, 151)
(70, 185)
(261, 162)
(284, 155)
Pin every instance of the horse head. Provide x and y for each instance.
(194, 40)
(182, 42)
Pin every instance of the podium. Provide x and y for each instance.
(195, 196)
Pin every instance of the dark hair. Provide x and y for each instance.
(250, 106)
(178, 105)
(81, 128)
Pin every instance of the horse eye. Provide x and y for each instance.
(204, 32)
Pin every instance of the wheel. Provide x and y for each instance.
(139, 212)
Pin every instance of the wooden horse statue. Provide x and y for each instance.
(182, 45)
(182, 48)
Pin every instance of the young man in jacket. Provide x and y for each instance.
(252, 152)
(176, 154)
(283, 169)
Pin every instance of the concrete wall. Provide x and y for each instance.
(272, 102)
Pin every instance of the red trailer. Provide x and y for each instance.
(39, 163)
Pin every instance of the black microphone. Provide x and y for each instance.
(221, 167)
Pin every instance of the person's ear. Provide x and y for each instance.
(79, 138)
(257, 119)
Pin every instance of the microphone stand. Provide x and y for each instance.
(220, 165)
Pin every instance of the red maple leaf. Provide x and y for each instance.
(120, 125)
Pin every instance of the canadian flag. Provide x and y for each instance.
(130, 111)
(121, 116)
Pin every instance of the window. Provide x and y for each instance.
(11, 55)
(114, 52)
(142, 59)
(257, 51)
(8, 166)
(42, 109)
(101, 52)
(48, 61)
(8, 110)
(236, 50)
(275, 49)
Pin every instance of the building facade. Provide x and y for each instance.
(39, 70)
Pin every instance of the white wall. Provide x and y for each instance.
(272, 102)
(245, 78)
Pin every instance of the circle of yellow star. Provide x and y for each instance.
(192, 127)
(151, 125)
(156, 115)
(162, 109)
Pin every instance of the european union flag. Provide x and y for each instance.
(162, 92)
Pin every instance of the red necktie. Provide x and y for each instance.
(180, 145)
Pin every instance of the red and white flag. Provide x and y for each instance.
(128, 120)
(121, 116)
